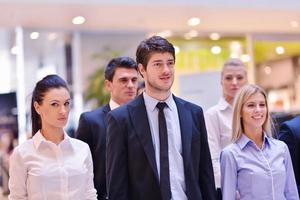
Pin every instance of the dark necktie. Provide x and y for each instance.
(164, 153)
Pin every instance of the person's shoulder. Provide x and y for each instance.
(232, 149)
(277, 143)
(24, 148)
(95, 112)
(212, 110)
(294, 123)
(187, 104)
(78, 144)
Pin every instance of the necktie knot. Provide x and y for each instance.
(161, 105)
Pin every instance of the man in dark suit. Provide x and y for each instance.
(290, 134)
(121, 80)
(157, 145)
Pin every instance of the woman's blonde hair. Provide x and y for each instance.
(240, 98)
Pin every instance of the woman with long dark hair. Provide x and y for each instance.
(51, 165)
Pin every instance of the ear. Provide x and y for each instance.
(108, 85)
(142, 69)
(36, 107)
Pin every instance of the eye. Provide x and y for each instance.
(171, 63)
(54, 104)
(157, 64)
(123, 80)
(262, 105)
(67, 103)
(134, 80)
(228, 78)
(250, 105)
(240, 78)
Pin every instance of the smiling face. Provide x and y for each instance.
(54, 108)
(159, 73)
(233, 78)
(254, 112)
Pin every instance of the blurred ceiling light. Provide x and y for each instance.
(52, 36)
(14, 50)
(245, 58)
(78, 20)
(34, 35)
(279, 50)
(177, 49)
(268, 69)
(192, 33)
(294, 24)
(216, 50)
(187, 36)
(235, 49)
(165, 34)
(194, 21)
(214, 36)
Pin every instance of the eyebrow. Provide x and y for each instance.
(55, 100)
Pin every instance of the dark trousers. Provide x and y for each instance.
(219, 194)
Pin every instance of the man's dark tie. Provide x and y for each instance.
(164, 153)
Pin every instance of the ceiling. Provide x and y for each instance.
(142, 16)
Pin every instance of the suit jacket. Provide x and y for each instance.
(92, 130)
(131, 167)
(290, 134)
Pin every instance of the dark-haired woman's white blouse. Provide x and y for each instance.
(40, 169)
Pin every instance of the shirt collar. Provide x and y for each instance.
(223, 104)
(151, 102)
(39, 139)
(244, 141)
(113, 104)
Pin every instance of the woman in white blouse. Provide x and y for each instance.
(51, 165)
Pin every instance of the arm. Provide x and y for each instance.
(213, 134)
(18, 177)
(116, 160)
(206, 175)
(229, 175)
(83, 132)
(286, 135)
(91, 192)
(290, 190)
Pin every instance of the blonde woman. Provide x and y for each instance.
(255, 165)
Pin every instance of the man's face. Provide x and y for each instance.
(123, 86)
(159, 75)
(233, 78)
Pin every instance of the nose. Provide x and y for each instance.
(234, 81)
(63, 109)
(130, 84)
(166, 68)
(258, 108)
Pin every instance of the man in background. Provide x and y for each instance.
(290, 134)
(121, 80)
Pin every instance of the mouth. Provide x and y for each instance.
(258, 117)
(62, 119)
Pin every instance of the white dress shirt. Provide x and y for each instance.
(176, 168)
(40, 170)
(218, 120)
(113, 104)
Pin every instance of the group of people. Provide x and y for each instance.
(154, 145)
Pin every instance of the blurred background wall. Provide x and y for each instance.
(76, 38)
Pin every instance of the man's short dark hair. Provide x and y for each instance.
(154, 44)
(119, 62)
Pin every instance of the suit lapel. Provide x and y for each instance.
(138, 114)
(186, 127)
